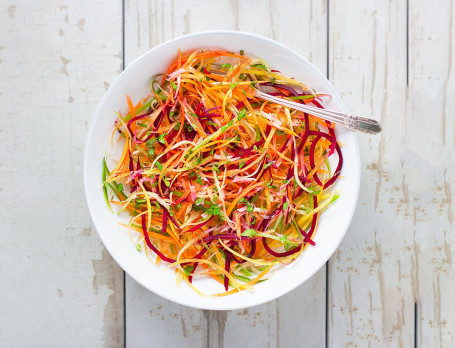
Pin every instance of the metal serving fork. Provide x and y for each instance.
(362, 124)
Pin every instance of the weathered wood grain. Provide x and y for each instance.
(297, 318)
(430, 176)
(397, 251)
(371, 290)
(58, 286)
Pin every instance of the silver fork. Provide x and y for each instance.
(362, 124)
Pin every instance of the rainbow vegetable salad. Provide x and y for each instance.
(219, 183)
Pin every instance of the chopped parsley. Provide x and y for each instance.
(161, 138)
(188, 269)
(284, 239)
(150, 143)
(242, 114)
(260, 66)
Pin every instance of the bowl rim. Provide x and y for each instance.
(122, 75)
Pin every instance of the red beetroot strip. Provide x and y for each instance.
(149, 243)
(227, 267)
(197, 256)
(198, 226)
(311, 155)
(278, 254)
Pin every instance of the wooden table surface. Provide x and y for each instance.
(391, 281)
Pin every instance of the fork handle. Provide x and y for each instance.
(358, 123)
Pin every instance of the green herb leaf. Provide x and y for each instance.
(187, 126)
(241, 164)
(260, 66)
(138, 247)
(174, 86)
(188, 270)
(284, 239)
(149, 143)
(214, 210)
(285, 205)
(161, 138)
(249, 233)
(226, 66)
(159, 166)
(242, 114)
(242, 52)
(199, 180)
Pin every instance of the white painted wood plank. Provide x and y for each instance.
(398, 248)
(297, 318)
(430, 114)
(58, 286)
(371, 293)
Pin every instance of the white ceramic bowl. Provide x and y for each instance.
(134, 81)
